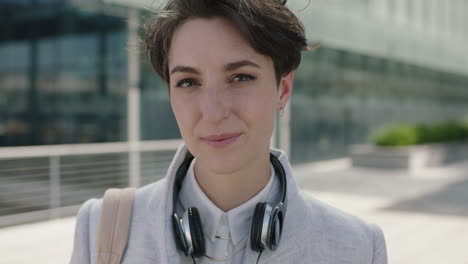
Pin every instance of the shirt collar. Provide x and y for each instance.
(239, 218)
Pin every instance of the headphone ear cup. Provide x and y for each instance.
(257, 224)
(275, 230)
(196, 232)
(179, 234)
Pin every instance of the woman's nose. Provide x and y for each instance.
(215, 105)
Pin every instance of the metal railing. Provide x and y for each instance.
(45, 182)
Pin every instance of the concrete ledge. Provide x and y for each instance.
(411, 158)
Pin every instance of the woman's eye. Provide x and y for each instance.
(186, 83)
(243, 78)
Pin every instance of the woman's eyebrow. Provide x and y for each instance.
(238, 64)
(184, 69)
(228, 67)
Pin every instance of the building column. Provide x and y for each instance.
(400, 11)
(417, 14)
(285, 129)
(434, 18)
(379, 9)
(133, 99)
(282, 130)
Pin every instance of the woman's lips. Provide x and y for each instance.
(222, 140)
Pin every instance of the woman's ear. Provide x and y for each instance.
(285, 89)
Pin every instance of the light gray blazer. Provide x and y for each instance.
(313, 233)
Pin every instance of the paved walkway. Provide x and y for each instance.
(424, 215)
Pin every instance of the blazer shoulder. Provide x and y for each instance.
(335, 217)
(153, 189)
(347, 233)
(150, 196)
(90, 211)
(82, 249)
(88, 220)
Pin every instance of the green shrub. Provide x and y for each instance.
(398, 135)
(407, 134)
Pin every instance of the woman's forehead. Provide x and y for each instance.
(214, 40)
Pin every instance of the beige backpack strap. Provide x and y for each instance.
(116, 215)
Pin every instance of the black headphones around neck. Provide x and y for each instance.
(267, 223)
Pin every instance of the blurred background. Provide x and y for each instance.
(82, 111)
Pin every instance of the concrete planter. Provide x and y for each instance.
(411, 157)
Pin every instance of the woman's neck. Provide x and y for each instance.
(229, 190)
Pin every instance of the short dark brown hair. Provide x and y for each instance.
(268, 25)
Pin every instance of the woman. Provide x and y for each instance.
(227, 198)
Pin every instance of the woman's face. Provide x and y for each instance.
(224, 94)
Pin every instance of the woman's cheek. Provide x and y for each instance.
(183, 109)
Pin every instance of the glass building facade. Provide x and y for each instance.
(341, 97)
(62, 75)
(158, 121)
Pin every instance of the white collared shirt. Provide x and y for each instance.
(226, 233)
